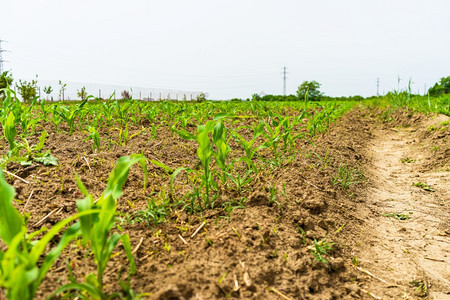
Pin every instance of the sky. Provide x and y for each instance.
(230, 48)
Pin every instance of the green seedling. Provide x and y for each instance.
(407, 160)
(347, 176)
(319, 250)
(166, 168)
(10, 132)
(96, 229)
(95, 136)
(423, 186)
(249, 150)
(421, 287)
(324, 161)
(222, 278)
(154, 214)
(398, 216)
(69, 115)
(24, 264)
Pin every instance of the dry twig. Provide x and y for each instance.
(370, 274)
(26, 203)
(56, 210)
(182, 239)
(198, 229)
(272, 289)
(370, 294)
(87, 162)
(137, 246)
(15, 176)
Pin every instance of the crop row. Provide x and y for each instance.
(234, 143)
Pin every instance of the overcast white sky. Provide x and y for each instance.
(230, 48)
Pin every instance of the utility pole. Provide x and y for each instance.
(284, 81)
(378, 86)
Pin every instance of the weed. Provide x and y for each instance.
(319, 250)
(421, 287)
(407, 160)
(237, 233)
(423, 186)
(398, 216)
(347, 176)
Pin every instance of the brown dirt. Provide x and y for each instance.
(413, 252)
(264, 250)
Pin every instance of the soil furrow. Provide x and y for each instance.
(407, 226)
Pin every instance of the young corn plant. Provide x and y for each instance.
(45, 109)
(95, 136)
(10, 132)
(69, 115)
(240, 181)
(249, 150)
(95, 229)
(33, 153)
(125, 137)
(220, 140)
(205, 154)
(24, 264)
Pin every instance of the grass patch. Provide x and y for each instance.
(423, 186)
(398, 216)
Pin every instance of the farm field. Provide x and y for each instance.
(206, 200)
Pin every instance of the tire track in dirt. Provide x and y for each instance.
(417, 249)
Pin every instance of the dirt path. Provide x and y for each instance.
(417, 249)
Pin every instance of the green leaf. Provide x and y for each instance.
(111, 243)
(127, 246)
(221, 116)
(184, 134)
(47, 160)
(71, 233)
(166, 168)
(42, 138)
(81, 186)
(40, 246)
(10, 219)
(10, 130)
(86, 222)
(90, 289)
(118, 176)
(175, 173)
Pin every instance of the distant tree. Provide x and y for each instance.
(82, 93)
(201, 97)
(256, 97)
(441, 87)
(28, 90)
(48, 90)
(5, 80)
(310, 87)
(125, 95)
(62, 88)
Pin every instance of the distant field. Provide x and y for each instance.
(179, 199)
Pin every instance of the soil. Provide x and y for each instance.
(414, 251)
(262, 249)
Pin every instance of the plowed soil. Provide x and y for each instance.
(263, 248)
